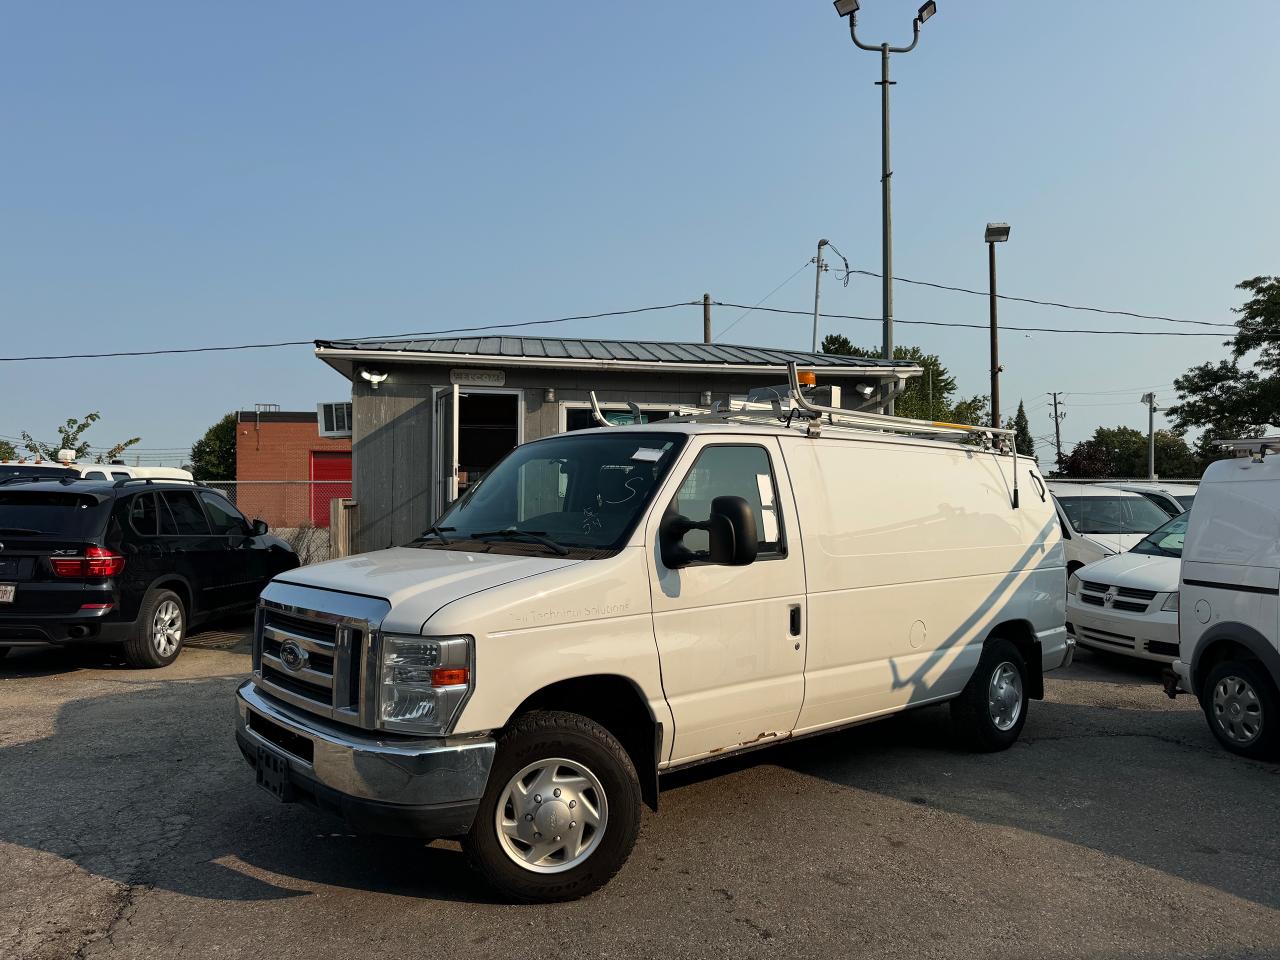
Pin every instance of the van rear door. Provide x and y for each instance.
(731, 639)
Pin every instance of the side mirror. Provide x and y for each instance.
(260, 528)
(731, 535)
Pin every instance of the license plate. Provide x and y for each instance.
(7, 591)
(273, 775)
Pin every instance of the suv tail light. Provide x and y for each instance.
(97, 563)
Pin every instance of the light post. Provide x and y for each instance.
(849, 8)
(1150, 400)
(996, 233)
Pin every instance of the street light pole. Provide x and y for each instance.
(995, 233)
(1150, 400)
(849, 8)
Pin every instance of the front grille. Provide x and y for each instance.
(1095, 587)
(328, 674)
(1163, 648)
(1138, 600)
(1117, 640)
(1091, 599)
(1132, 606)
(1136, 594)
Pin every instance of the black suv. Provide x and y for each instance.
(135, 562)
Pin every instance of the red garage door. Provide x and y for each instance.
(330, 480)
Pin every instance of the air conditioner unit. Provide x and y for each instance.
(334, 419)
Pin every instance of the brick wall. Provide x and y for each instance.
(277, 446)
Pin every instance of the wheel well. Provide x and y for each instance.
(615, 704)
(1023, 636)
(1218, 651)
(181, 589)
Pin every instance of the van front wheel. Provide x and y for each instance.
(1243, 709)
(561, 812)
(991, 710)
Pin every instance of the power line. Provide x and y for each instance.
(983, 326)
(1049, 303)
(762, 300)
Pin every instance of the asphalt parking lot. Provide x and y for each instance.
(1116, 828)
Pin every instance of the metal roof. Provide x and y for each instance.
(546, 351)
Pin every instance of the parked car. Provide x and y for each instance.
(1128, 603)
(122, 471)
(612, 604)
(1229, 611)
(1100, 521)
(1172, 498)
(134, 562)
(10, 469)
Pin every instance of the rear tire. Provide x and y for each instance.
(159, 632)
(990, 712)
(561, 812)
(1242, 706)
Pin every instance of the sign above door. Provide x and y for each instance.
(478, 378)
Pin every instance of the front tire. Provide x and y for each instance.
(1242, 706)
(159, 632)
(991, 710)
(561, 812)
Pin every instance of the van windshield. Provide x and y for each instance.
(579, 494)
(1165, 541)
(1118, 514)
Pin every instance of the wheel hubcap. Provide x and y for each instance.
(166, 628)
(1004, 696)
(552, 815)
(1238, 710)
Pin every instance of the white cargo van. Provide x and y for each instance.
(1229, 609)
(1100, 521)
(122, 471)
(609, 605)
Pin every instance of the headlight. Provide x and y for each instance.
(424, 682)
(1170, 604)
(1073, 585)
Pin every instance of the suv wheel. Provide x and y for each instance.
(561, 812)
(1243, 709)
(159, 631)
(991, 710)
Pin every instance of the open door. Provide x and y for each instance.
(446, 423)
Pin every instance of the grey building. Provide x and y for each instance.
(429, 417)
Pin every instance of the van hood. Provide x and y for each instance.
(417, 582)
(1140, 571)
(1115, 542)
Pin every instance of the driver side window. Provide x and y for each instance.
(733, 471)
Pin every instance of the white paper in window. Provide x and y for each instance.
(768, 513)
(647, 453)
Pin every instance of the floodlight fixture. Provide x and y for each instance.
(996, 233)
(926, 11)
(846, 8)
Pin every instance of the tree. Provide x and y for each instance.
(927, 397)
(1022, 433)
(1122, 452)
(1225, 399)
(213, 456)
(7, 451)
(70, 434)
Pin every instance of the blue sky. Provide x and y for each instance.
(180, 174)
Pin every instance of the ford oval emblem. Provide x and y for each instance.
(293, 656)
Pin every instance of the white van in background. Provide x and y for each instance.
(1229, 611)
(1173, 498)
(608, 605)
(1100, 521)
(121, 471)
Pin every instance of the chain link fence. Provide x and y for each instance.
(296, 510)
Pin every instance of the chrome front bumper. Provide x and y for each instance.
(380, 783)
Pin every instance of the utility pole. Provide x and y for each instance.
(1150, 400)
(817, 290)
(995, 233)
(1057, 428)
(706, 318)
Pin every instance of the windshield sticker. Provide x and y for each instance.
(647, 453)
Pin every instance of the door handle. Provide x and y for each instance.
(795, 619)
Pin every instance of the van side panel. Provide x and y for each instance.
(913, 554)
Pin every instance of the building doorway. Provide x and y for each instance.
(475, 428)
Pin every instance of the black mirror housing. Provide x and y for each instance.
(731, 535)
(260, 528)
